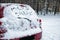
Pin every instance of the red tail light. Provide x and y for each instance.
(0, 23)
(1, 12)
(40, 22)
(2, 30)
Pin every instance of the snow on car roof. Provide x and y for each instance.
(20, 10)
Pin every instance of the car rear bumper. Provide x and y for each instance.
(37, 36)
(17, 35)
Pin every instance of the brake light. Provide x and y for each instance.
(2, 29)
(40, 22)
(1, 12)
(0, 23)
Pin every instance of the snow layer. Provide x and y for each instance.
(17, 20)
(18, 34)
(50, 27)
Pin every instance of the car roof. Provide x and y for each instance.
(24, 9)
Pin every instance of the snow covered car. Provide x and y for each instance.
(19, 22)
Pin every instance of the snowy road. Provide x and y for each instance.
(50, 27)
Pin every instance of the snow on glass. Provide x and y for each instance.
(19, 18)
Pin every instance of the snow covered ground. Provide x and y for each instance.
(50, 27)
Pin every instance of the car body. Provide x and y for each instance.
(20, 22)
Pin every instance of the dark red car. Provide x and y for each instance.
(19, 22)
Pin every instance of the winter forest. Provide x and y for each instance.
(42, 7)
